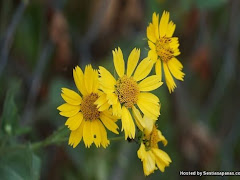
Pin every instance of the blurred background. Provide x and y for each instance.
(40, 43)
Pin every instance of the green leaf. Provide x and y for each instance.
(20, 164)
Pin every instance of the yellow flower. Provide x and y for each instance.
(129, 89)
(164, 49)
(84, 119)
(151, 155)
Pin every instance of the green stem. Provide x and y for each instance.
(116, 138)
(57, 137)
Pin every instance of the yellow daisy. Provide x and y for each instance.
(84, 119)
(130, 90)
(150, 154)
(164, 49)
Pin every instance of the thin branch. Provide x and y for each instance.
(7, 42)
(116, 138)
(57, 137)
(54, 139)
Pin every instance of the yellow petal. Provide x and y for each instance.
(118, 61)
(175, 48)
(127, 124)
(150, 83)
(90, 79)
(141, 152)
(132, 61)
(87, 134)
(143, 69)
(155, 20)
(170, 29)
(68, 110)
(105, 89)
(176, 52)
(79, 80)
(177, 63)
(162, 158)
(104, 107)
(158, 68)
(106, 80)
(148, 108)
(112, 98)
(105, 142)
(71, 97)
(162, 138)
(149, 123)
(95, 81)
(76, 136)
(168, 77)
(149, 97)
(149, 163)
(151, 33)
(160, 164)
(113, 117)
(96, 133)
(152, 55)
(116, 109)
(108, 121)
(68, 107)
(163, 155)
(174, 45)
(69, 113)
(178, 74)
(74, 122)
(151, 45)
(164, 23)
(132, 128)
(138, 118)
(101, 100)
(125, 121)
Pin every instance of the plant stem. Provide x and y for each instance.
(57, 137)
(116, 138)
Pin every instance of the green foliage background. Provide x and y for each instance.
(200, 119)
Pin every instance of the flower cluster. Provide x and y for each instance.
(103, 98)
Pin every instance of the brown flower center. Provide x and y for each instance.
(151, 141)
(164, 51)
(154, 138)
(88, 108)
(127, 91)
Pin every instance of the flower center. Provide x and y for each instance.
(127, 91)
(164, 51)
(152, 140)
(88, 108)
